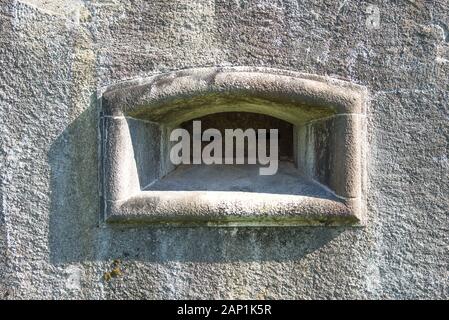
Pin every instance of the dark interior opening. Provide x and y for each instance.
(248, 120)
(237, 177)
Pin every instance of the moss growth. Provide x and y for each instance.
(115, 272)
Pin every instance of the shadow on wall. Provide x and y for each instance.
(74, 189)
(77, 233)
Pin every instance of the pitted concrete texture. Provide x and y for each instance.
(54, 63)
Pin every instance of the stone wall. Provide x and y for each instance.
(56, 56)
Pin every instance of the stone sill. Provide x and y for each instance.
(234, 195)
(216, 208)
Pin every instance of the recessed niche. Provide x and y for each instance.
(320, 123)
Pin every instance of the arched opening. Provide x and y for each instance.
(318, 123)
(235, 176)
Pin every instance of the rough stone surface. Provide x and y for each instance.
(55, 55)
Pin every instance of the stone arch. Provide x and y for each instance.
(180, 95)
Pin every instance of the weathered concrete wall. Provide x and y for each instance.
(55, 55)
